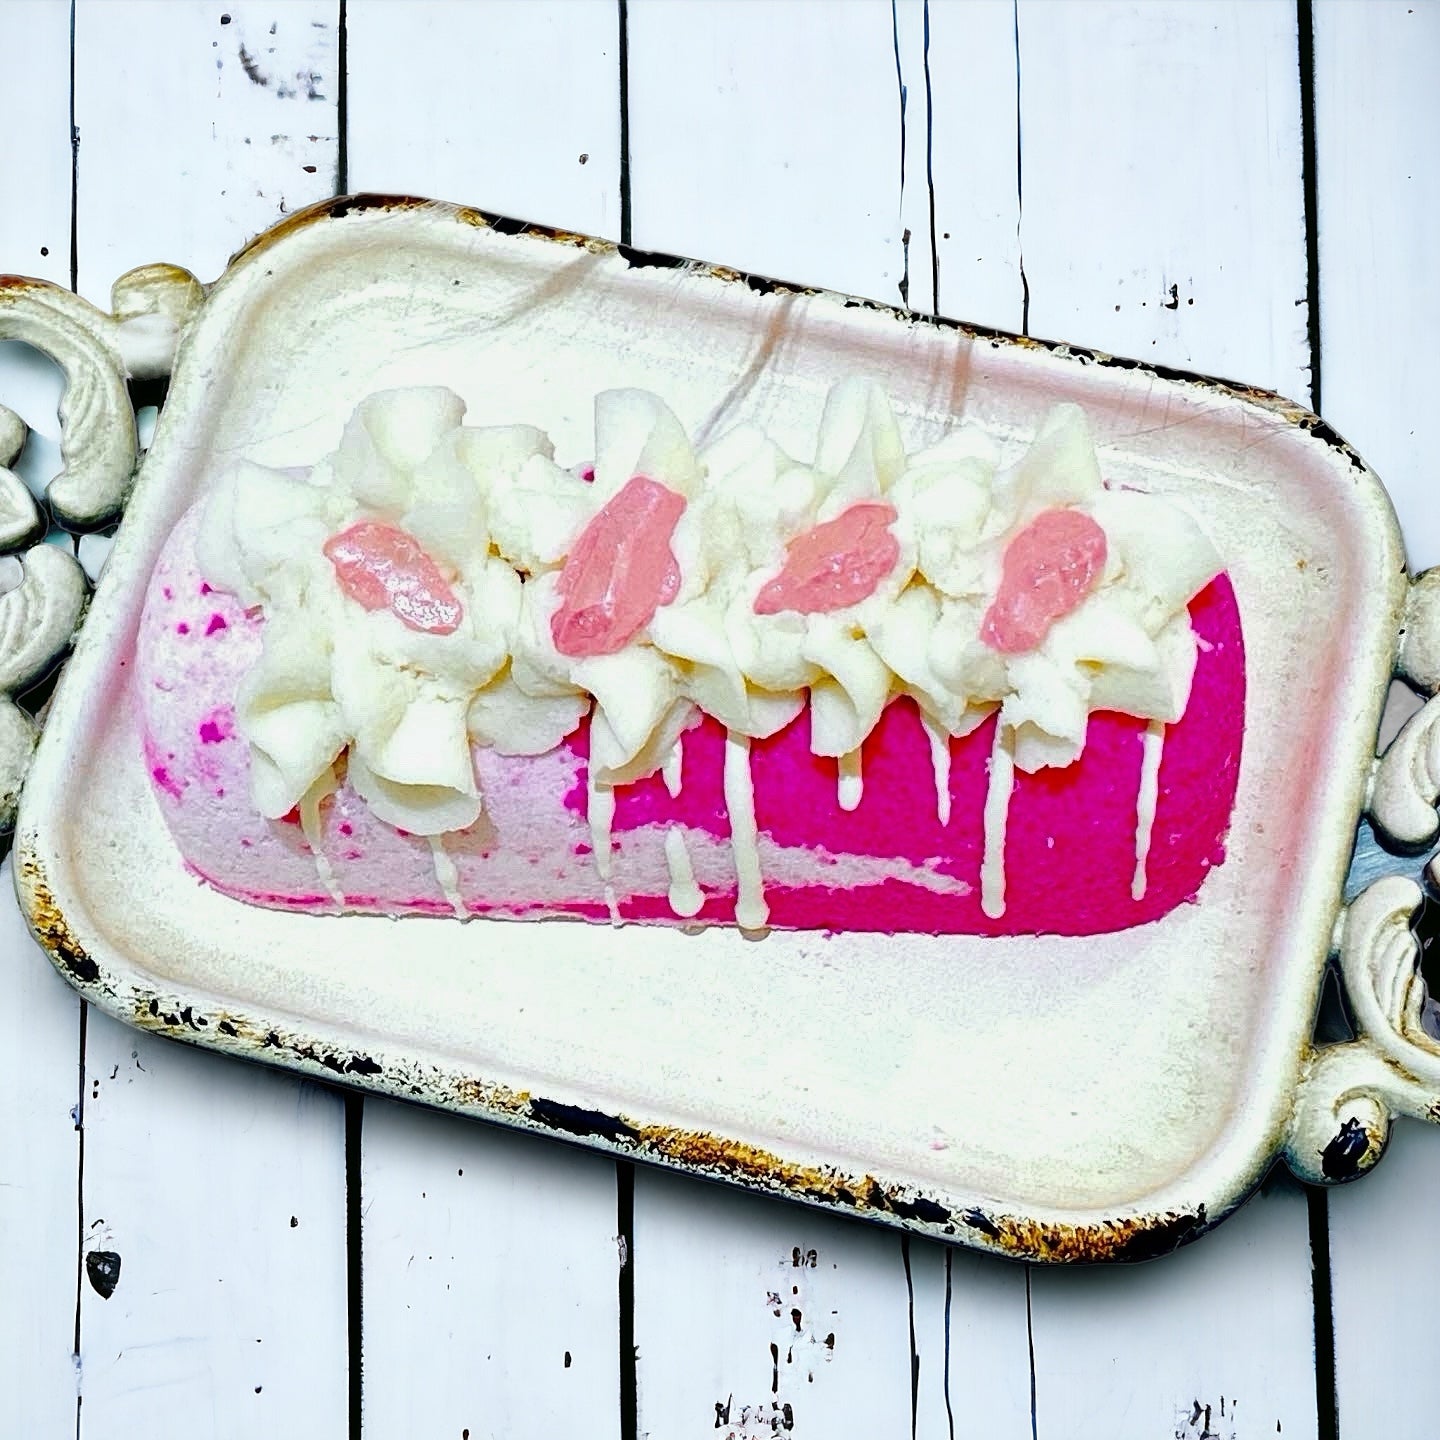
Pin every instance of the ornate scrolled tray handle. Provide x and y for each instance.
(1350, 1092)
(97, 354)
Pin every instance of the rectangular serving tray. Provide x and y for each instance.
(1091, 1098)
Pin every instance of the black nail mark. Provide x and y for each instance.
(102, 1269)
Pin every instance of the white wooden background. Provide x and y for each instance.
(1245, 187)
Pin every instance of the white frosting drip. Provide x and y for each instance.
(997, 815)
(940, 762)
(600, 813)
(673, 769)
(311, 829)
(499, 516)
(446, 876)
(1153, 742)
(751, 911)
(686, 897)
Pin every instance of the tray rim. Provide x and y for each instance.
(1048, 1233)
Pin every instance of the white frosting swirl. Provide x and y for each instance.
(498, 517)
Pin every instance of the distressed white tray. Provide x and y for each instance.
(1062, 1099)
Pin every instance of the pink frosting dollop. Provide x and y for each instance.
(838, 563)
(620, 571)
(382, 567)
(1048, 569)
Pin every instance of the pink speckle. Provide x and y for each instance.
(217, 622)
(346, 828)
(206, 588)
(166, 781)
(220, 792)
(167, 592)
(354, 855)
(245, 844)
(217, 726)
(182, 628)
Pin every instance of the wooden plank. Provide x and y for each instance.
(490, 1262)
(490, 1281)
(39, 1175)
(771, 144)
(1378, 193)
(753, 1318)
(1139, 174)
(960, 189)
(219, 1187)
(1213, 1341)
(508, 105)
(201, 124)
(39, 1014)
(1378, 197)
(1163, 211)
(786, 158)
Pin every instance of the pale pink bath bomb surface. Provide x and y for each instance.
(887, 866)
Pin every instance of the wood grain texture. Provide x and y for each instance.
(1161, 147)
(770, 141)
(740, 154)
(1378, 197)
(508, 105)
(39, 1170)
(491, 1297)
(1163, 209)
(1215, 1341)
(490, 1282)
(962, 199)
(754, 1318)
(1378, 192)
(219, 1186)
(39, 1014)
(200, 124)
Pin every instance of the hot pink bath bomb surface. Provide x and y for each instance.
(888, 866)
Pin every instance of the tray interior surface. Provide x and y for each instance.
(1085, 1076)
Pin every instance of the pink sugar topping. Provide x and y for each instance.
(382, 567)
(1048, 569)
(620, 571)
(835, 564)
(216, 622)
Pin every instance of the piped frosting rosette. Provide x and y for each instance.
(433, 586)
